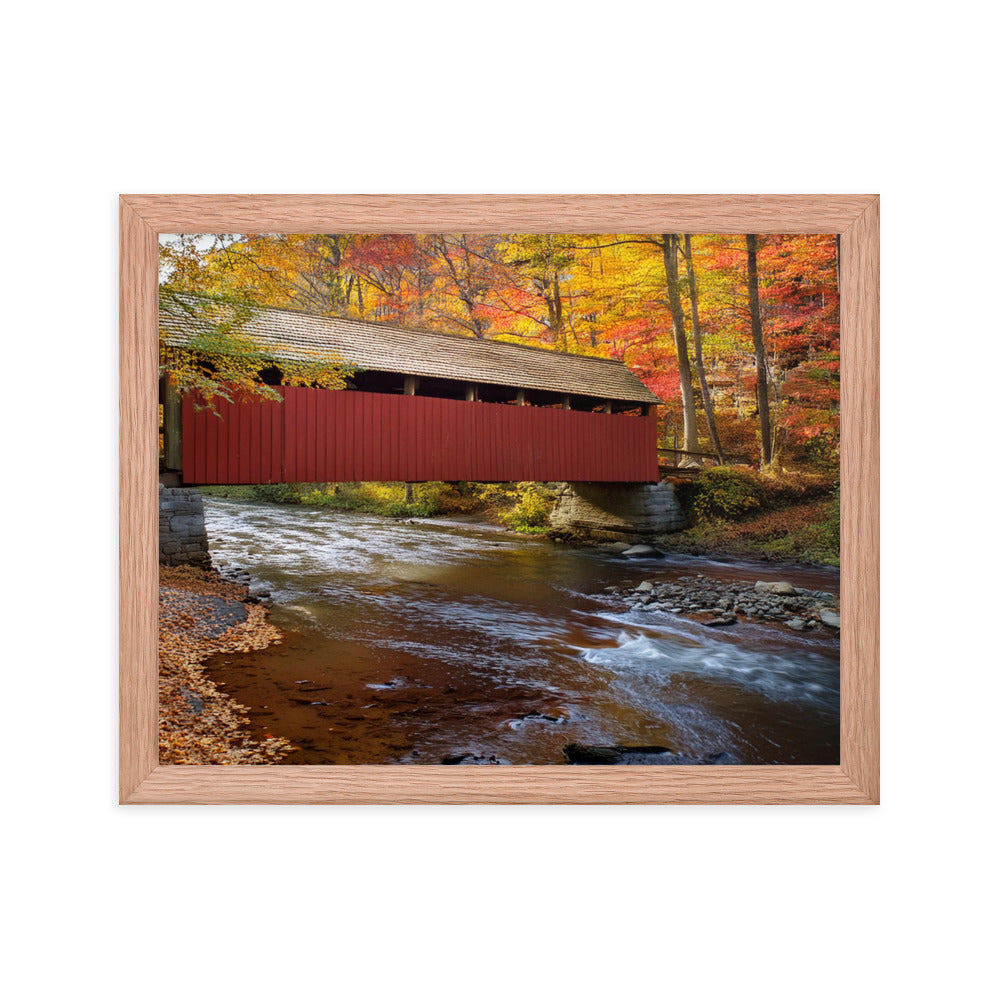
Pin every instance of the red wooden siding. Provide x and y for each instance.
(320, 436)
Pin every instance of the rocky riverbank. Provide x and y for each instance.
(200, 615)
(718, 603)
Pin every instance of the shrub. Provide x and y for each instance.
(276, 493)
(530, 515)
(523, 507)
(726, 493)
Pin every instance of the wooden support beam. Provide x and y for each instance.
(520, 397)
(566, 404)
(171, 427)
(471, 392)
(607, 406)
(410, 383)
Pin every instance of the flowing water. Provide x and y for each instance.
(413, 642)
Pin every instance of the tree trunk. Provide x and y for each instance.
(706, 392)
(680, 342)
(557, 314)
(763, 405)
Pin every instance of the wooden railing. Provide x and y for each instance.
(703, 457)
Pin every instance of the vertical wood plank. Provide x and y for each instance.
(301, 435)
(246, 440)
(364, 458)
(312, 443)
(211, 446)
(229, 441)
(345, 437)
(437, 440)
(390, 443)
(409, 434)
(254, 469)
(339, 431)
(288, 434)
(279, 451)
(188, 453)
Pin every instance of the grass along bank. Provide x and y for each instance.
(522, 507)
(744, 514)
(736, 512)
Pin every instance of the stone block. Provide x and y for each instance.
(622, 508)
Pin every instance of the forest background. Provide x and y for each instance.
(739, 335)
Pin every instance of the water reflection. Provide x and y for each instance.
(432, 639)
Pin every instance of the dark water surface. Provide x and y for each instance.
(407, 643)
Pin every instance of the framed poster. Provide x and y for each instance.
(477, 409)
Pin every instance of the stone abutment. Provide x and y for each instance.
(183, 540)
(616, 511)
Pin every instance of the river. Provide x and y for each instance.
(415, 642)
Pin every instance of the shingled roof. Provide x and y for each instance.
(382, 347)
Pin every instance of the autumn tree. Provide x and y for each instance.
(466, 272)
(757, 333)
(669, 248)
(207, 351)
(706, 390)
(332, 274)
(545, 263)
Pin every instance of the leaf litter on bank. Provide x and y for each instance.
(201, 615)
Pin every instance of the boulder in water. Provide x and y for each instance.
(576, 753)
(640, 551)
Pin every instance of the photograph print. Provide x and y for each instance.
(499, 499)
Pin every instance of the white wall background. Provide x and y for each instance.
(487, 902)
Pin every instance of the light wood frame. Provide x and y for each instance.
(855, 217)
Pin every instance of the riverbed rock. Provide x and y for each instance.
(796, 623)
(578, 753)
(780, 587)
(718, 602)
(195, 702)
(830, 618)
(640, 551)
(473, 758)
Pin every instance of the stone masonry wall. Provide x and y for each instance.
(182, 528)
(617, 509)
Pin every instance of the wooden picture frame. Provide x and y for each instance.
(855, 217)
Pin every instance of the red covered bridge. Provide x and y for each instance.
(422, 407)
